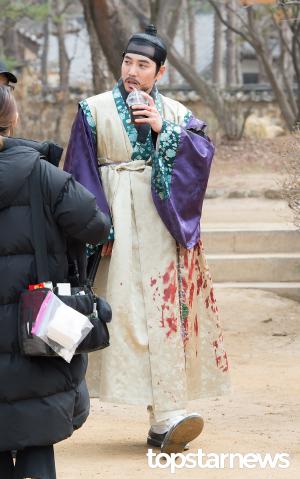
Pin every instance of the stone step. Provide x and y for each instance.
(246, 210)
(289, 290)
(251, 239)
(265, 267)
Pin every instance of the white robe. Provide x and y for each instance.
(166, 339)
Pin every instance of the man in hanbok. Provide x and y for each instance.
(151, 174)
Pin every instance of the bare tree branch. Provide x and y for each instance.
(246, 37)
(283, 40)
(65, 7)
(175, 13)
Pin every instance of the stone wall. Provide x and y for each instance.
(48, 119)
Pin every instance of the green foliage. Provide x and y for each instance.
(10, 62)
(14, 11)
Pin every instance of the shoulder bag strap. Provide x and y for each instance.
(38, 224)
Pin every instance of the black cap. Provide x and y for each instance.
(149, 45)
(10, 76)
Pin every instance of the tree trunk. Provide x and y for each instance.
(172, 10)
(296, 60)
(218, 52)
(155, 6)
(111, 32)
(10, 41)
(192, 31)
(186, 47)
(64, 66)
(44, 57)
(266, 60)
(102, 79)
(285, 66)
(63, 58)
(231, 48)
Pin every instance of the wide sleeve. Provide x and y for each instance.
(81, 158)
(180, 171)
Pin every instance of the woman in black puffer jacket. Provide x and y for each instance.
(42, 400)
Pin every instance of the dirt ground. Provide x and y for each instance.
(261, 415)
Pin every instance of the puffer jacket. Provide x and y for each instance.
(42, 400)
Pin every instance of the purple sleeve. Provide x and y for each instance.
(181, 209)
(81, 159)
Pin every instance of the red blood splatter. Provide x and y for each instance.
(191, 271)
(196, 327)
(166, 278)
(169, 293)
(162, 321)
(199, 283)
(184, 284)
(186, 325)
(205, 284)
(225, 367)
(186, 259)
(221, 358)
(172, 323)
(153, 281)
(207, 302)
(191, 296)
(212, 297)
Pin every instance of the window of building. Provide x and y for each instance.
(250, 78)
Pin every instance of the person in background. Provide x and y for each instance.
(154, 161)
(6, 77)
(42, 399)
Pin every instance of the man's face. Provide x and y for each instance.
(3, 79)
(139, 72)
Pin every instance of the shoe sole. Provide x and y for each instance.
(157, 444)
(182, 433)
(152, 442)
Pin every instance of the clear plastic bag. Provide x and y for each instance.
(61, 327)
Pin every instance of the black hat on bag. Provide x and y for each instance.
(4, 71)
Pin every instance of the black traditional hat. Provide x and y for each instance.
(149, 45)
(10, 76)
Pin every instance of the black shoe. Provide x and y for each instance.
(156, 440)
(181, 433)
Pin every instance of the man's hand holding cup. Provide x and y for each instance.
(143, 110)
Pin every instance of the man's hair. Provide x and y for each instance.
(8, 109)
